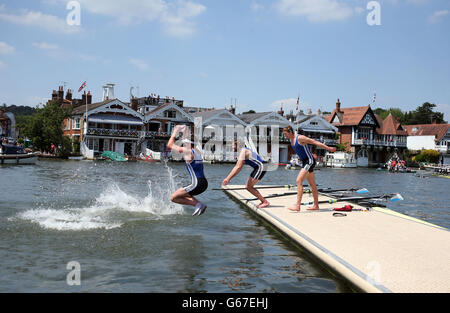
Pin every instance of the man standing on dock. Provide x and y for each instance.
(300, 144)
(251, 158)
(194, 165)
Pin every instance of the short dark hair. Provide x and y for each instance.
(289, 129)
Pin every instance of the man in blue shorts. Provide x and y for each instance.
(251, 158)
(300, 144)
(194, 165)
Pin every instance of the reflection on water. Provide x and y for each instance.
(116, 220)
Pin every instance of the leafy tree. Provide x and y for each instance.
(396, 113)
(45, 128)
(424, 114)
(342, 147)
(429, 156)
(249, 112)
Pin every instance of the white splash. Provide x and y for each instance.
(110, 210)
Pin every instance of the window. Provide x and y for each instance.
(170, 114)
(76, 123)
(314, 123)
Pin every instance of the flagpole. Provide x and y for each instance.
(85, 124)
(86, 121)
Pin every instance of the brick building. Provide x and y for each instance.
(369, 138)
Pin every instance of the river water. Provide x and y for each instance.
(115, 220)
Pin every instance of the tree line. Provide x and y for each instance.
(423, 114)
(44, 126)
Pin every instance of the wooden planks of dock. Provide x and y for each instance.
(377, 251)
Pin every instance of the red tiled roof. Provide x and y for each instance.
(437, 130)
(390, 126)
(349, 116)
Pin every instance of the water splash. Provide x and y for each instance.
(111, 209)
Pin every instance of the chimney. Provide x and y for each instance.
(134, 104)
(338, 106)
(61, 93)
(54, 95)
(89, 98)
(281, 112)
(83, 98)
(309, 112)
(319, 112)
(69, 95)
(233, 110)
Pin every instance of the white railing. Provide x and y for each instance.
(153, 134)
(369, 142)
(113, 132)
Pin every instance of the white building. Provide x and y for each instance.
(265, 122)
(219, 129)
(112, 126)
(430, 136)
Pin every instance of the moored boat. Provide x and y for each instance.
(339, 159)
(114, 156)
(11, 154)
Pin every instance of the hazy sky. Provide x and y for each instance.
(261, 52)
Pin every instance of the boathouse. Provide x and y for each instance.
(369, 138)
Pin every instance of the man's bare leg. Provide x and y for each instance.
(251, 182)
(300, 178)
(312, 183)
(182, 197)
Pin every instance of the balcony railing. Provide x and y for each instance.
(329, 142)
(153, 134)
(376, 142)
(113, 132)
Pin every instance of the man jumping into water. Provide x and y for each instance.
(249, 157)
(194, 165)
(300, 145)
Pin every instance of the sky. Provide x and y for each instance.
(260, 54)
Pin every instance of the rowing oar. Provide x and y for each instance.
(329, 190)
(276, 195)
(393, 197)
(264, 187)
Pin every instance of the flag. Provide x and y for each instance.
(298, 101)
(82, 86)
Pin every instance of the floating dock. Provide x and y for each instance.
(378, 250)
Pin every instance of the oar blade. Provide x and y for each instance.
(362, 191)
(397, 197)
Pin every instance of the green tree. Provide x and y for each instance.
(45, 128)
(424, 114)
(396, 113)
(429, 156)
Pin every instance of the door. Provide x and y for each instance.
(283, 155)
(362, 159)
(128, 148)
